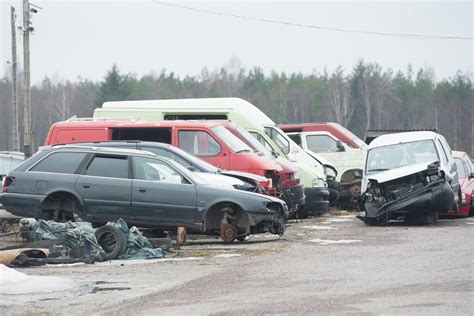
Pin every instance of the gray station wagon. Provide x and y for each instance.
(104, 184)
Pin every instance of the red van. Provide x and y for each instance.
(210, 141)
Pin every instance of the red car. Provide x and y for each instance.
(465, 169)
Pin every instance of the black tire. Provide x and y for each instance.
(118, 235)
(302, 213)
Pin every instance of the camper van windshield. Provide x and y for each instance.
(230, 139)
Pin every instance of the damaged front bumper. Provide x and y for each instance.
(434, 198)
(271, 222)
(317, 200)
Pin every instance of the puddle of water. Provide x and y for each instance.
(262, 236)
(104, 289)
(144, 261)
(330, 242)
(340, 220)
(227, 255)
(318, 227)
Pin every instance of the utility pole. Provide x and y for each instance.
(15, 132)
(27, 129)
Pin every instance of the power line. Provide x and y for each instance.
(325, 28)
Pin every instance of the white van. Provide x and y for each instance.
(347, 160)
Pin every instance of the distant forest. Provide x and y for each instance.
(365, 97)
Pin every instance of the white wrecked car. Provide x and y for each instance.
(408, 175)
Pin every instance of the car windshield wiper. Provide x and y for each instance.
(239, 151)
(379, 169)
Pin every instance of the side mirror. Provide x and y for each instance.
(471, 175)
(340, 146)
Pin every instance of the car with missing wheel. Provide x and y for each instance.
(410, 176)
(104, 184)
(220, 177)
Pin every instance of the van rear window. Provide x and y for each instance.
(161, 135)
(172, 117)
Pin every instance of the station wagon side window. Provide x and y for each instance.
(444, 156)
(155, 170)
(321, 143)
(108, 166)
(198, 143)
(60, 162)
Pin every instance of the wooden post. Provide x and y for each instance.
(181, 235)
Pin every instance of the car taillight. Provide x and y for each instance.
(4, 183)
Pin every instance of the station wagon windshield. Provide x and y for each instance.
(230, 139)
(399, 155)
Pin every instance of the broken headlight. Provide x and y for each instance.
(330, 173)
(318, 182)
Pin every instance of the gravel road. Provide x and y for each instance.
(332, 264)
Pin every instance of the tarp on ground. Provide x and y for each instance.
(77, 233)
(138, 246)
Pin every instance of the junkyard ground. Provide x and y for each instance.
(331, 264)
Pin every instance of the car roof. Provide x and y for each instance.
(309, 127)
(398, 138)
(105, 150)
(119, 142)
(459, 154)
(131, 123)
(315, 132)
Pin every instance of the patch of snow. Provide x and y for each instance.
(9, 275)
(61, 265)
(318, 227)
(227, 255)
(330, 242)
(18, 288)
(470, 223)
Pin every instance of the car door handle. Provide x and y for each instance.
(141, 189)
(86, 186)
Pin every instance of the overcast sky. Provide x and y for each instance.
(85, 38)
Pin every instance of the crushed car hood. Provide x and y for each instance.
(220, 180)
(245, 176)
(384, 176)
